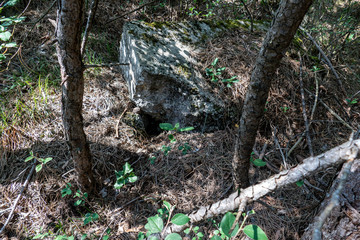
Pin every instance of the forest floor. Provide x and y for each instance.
(197, 177)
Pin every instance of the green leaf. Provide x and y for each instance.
(180, 219)
(46, 160)
(215, 62)
(2, 57)
(5, 36)
(38, 167)
(11, 3)
(258, 162)
(167, 205)
(127, 168)
(255, 232)
(133, 179)
(166, 126)
(173, 236)
(141, 236)
(66, 191)
(186, 129)
(216, 237)
(106, 237)
(10, 45)
(300, 183)
(78, 202)
(177, 125)
(83, 237)
(29, 158)
(172, 138)
(226, 223)
(155, 224)
(195, 229)
(187, 231)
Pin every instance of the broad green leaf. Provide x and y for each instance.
(215, 62)
(226, 223)
(141, 236)
(155, 224)
(180, 219)
(46, 160)
(106, 237)
(5, 36)
(186, 129)
(172, 138)
(216, 237)
(66, 191)
(187, 231)
(167, 205)
(11, 3)
(255, 232)
(177, 125)
(173, 236)
(9, 45)
(195, 229)
(258, 162)
(236, 229)
(78, 202)
(166, 126)
(133, 179)
(29, 158)
(2, 57)
(127, 168)
(84, 236)
(300, 183)
(38, 167)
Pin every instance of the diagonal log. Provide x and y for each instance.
(337, 155)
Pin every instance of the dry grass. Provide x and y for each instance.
(200, 177)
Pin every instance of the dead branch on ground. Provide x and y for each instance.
(337, 155)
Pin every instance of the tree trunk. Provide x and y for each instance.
(277, 40)
(68, 32)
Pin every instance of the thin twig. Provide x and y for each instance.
(328, 62)
(331, 111)
(18, 197)
(238, 215)
(335, 198)
(138, 8)
(308, 139)
(281, 152)
(250, 16)
(118, 122)
(89, 22)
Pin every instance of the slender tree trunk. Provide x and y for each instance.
(68, 32)
(277, 40)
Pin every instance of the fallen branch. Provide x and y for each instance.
(337, 155)
(333, 202)
(108, 65)
(18, 197)
(89, 22)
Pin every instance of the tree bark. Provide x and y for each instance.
(68, 32)
(277, 40)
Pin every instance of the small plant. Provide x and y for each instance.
(172, 131)
(155, 224)
(125, 176)
(284, 109)
(215, 74)
(257, 161)
(198, 235)
(227, 231)
(5, 33)
(184, 148)
(351, 102)
(42, 161)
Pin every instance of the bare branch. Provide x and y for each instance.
(333, 202)
(337, 155)
(18, 197)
